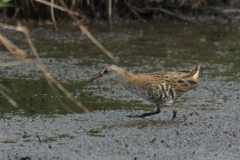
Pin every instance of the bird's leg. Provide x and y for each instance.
(148, 114)
(174, 112)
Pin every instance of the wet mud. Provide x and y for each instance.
(207, 123)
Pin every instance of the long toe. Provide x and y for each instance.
(135, 116)
(174, 112)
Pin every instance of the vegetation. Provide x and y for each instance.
(115, 9)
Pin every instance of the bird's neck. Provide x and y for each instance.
(124, 77)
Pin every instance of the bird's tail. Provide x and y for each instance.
(195, 72)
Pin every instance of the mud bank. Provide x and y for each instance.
(211, 134)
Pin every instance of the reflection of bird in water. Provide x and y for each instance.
(161, 88)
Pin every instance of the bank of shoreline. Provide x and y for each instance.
(123, 11)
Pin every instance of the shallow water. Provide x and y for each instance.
(139, 48)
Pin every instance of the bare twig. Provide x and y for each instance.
(133, 10)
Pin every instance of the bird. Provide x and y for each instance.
(160, 88)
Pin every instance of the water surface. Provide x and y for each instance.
(139, 48)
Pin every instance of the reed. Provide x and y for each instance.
(109, 10)
(6, 138)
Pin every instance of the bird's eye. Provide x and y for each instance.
(105, 72)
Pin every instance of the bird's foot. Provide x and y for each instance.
(174, 113)
(173, 118)
(144, 114)
(135, 116)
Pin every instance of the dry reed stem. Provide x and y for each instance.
(4, 88)
(26, 33)
(6, 138)
(57, 96)
(52, 15)
(68, 94)
(12, 48)
(10, 64)
(84, 30)
(110, 12)
(18, 28)
(58, 7)
(10, 100)
(6, 57)
(18, 53)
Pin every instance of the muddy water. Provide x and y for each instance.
(207, 124)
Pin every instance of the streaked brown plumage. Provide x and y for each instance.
(161, 88)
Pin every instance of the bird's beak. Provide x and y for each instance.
(98, 76)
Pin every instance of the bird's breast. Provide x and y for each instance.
(151, 90)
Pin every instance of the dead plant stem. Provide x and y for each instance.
(52, 15)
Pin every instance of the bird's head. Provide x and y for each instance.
(111, 71)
